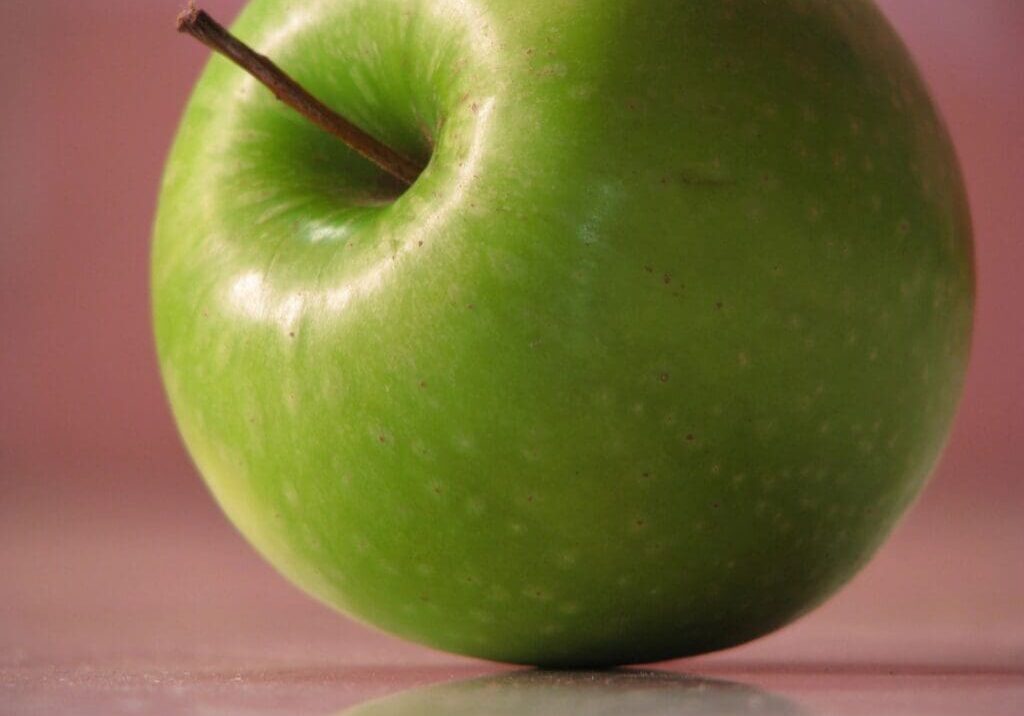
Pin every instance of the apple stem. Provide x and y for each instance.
(208, 31)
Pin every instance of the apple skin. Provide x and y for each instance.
(647, 362)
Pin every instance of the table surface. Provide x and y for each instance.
(129, 600)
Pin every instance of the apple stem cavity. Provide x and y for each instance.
(201, 26)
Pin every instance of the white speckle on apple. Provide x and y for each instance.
(464, 443)
(481, 616)
(388, 568)
(310, 539)
(291, 399)
(567, 559)
(581, 92)
(529, 454)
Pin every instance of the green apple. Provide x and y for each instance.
(647, 361)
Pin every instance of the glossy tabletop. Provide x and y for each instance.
(136, 600)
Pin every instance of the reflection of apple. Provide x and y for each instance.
(545, 693)
(646, 363)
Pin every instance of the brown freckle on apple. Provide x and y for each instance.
(529, 498)
(663, 377)
(639, 523)
(666, 279)
(689, 437)
(470, 306)
(649, 269)
(291, 334)
(718, 305)
(381, 439)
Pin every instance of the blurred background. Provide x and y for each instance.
(110, 549)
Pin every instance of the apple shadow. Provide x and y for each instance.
(582, 693)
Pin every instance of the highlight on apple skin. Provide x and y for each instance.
(646, 362)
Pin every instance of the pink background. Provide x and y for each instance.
(109, 546)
